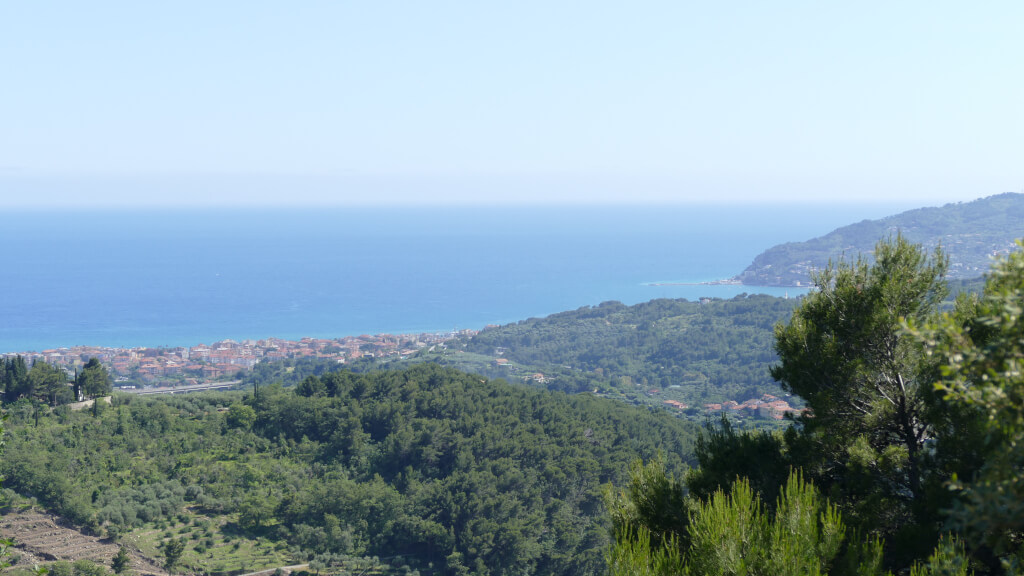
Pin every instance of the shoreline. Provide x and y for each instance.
(723, 282)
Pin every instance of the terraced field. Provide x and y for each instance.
(41, 538)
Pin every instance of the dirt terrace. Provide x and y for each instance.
(40, 537)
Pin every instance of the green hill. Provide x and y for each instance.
(428, 467)
(690, 352)
(970, 233)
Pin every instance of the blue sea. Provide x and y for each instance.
(170, 278)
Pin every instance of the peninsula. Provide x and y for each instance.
(970, 233)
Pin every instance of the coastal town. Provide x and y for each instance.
(225, 362)
(229, 359)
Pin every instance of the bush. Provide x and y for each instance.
(61, 568)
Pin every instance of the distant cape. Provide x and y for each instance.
(970, 233)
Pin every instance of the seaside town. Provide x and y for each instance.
(223, 363)
(223, 360)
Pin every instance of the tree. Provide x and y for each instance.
(653, 504)
(311, 386)
(983, 370)
(85, 567)
(94, 380)
(241, 416)
(866, 380)
(725, 455)
(121, 561)
(15, 380)
(49, 382)
(732, 532)
(173, 549)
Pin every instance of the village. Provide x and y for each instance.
(202, 363)
(767, 406)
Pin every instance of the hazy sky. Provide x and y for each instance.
(130, 103)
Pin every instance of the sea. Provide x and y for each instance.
(133, 278)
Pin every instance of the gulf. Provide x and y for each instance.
(180, 277)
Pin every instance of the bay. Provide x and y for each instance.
(180, 277)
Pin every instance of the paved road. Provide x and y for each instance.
(183, 389)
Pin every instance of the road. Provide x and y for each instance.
(183, 389)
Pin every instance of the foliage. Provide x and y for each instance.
(633, 554)
(866, 382)
(733, 533)
(172, 550)
(949, 559)
(422, 463)
(697, 352)
(723, 455)
(14, 378)
(288, 371)
(886, 444)
(652, 510)
(121, 561)
(50, 382)
(81, 567)
(983, 359)
(93, 380)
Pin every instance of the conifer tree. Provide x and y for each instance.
(121, 561)
(866, 381)
(94, 380)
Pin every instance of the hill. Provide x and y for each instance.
(428, 467)
(655, 353)
(970, 234)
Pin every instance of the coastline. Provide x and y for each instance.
(723, 282)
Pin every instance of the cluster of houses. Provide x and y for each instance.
(767, 406)
(226, 358)
(537, 377)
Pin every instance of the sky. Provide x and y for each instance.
(250, 103)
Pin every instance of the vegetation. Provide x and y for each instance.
(914, 435)
(694, 352)
(434, 468)
(46, 383)
(969, 233)
(868, 384)
(121, 561)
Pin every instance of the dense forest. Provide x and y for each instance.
(428, 467)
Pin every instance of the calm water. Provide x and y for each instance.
(176, 278)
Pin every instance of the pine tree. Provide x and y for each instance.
(866, 381)
(121, 561)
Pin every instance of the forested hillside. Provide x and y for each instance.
(427, 467)
(693, 352)
(969, 233)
